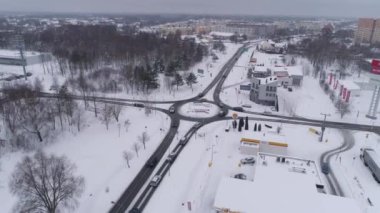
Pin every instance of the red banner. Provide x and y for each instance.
(348, 95)
(376, 66)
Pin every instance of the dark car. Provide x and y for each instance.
(175, 123)
(238, 109)
(222, 112)
(152, 163)
(240, 176)
(248, 161)
(200, 95)
(138, 105)
(325, 168)
(134, 210)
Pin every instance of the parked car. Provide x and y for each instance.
(240, 176)
(172, 109)
(238, 109)
(246, 106)
(372, 161)
(290, 89)
(155, 181)
(248, 161)
(227, 129)
(139, 105)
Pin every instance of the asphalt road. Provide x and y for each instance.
(138, 184)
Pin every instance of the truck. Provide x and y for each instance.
(372, 161)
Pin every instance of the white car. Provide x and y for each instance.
(155, 181)
(172, 109)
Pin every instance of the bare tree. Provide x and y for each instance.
(127, 123)
(136, 146)
(143, 138)
(116, 110)
(106, 115)
(45, 184)
(127, 155)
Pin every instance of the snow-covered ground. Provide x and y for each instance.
(355, 177)
(211, 69)
(199, 109)
(98, 155)
(309, 100)
(192, 180)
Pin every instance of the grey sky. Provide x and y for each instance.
(346, 8)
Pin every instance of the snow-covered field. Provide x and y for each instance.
(192, 180)
(98, 155)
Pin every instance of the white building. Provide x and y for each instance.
(291, 185)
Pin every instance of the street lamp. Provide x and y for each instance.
(323, 125)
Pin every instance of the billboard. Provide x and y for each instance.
(376, 66)
(245, 87)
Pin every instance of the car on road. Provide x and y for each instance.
(172, 109)
(238, 109)
(155, 181)
(134, 210)
(222, 112)
(152, 163)
(175, 123)
(139, 105)
(290, 89)
(197, 125)
(246, 106)
(183, 140)
(325, 168)
(200, 95)
(172, 156)
(250, 160)
(240, 176)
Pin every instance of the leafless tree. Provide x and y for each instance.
(127, 123)
(45, 184)
(143, 138)
(116, 110)
(136, 147)
(106, 115)
(127, 155)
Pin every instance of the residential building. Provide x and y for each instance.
(368, 31)
(263, 88)
(376, 32)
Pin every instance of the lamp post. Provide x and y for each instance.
(323, 126)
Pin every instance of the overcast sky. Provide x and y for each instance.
(342, 8)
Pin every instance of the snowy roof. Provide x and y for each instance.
(292, 70)
(265, 136)
(276, 190)
(14, 53)
(223, 34)
(350, 85)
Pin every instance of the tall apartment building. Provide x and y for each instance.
(376, 32)
(368, 31)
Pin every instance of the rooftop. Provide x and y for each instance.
(277, 189)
